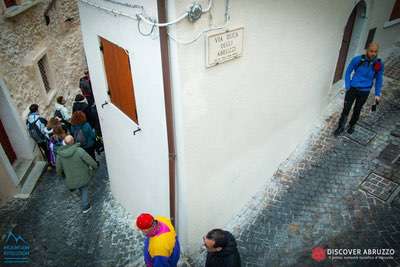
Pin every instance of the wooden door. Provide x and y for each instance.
(344, 49)
(395, 11)
(119, 78)
(5, 143)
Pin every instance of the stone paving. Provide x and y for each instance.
(339, 193)
(59, 234)
(332, 193)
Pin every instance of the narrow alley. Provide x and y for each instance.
(336, 193)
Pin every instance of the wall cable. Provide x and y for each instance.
(139, 17)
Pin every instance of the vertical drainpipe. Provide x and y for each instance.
(162, 17)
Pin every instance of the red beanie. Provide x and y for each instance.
(144, 221)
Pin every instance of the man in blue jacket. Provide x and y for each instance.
(366, 69)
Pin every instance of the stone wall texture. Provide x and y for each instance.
(24, 36)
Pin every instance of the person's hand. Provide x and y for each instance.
(342, 91)
(377, 98)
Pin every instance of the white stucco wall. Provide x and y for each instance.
(386, 36)
(237, 121)
(22, 144)
(234, 123)
(137, 164)
(359, 33)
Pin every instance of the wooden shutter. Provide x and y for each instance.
(119, 78)
(395, 11)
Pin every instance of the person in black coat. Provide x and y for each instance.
(86, 88)
(221, 249)
(80, 104)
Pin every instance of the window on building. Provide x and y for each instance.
(9, 3)
(119, 78)
(396, 11)
(370, 38)
(44, 72)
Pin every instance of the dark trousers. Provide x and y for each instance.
(44, 149)
(91, 151)
(360, 97)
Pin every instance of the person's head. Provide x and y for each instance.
(61, 100)
(59, 131)
(86, 73)
(69, 140)
(79, 97)
(33, 108)
(215, 240)
(78, 117)
(53, 122)
(146, 223)
(372, 50)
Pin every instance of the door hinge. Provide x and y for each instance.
(172, 156)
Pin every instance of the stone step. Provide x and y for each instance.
(32, 179)
(22, 168)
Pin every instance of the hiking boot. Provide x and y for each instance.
(350, 130)
(86, 210)
(338, 131)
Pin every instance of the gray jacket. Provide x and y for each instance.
(76, 164)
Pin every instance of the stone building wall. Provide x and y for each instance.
(24, 37)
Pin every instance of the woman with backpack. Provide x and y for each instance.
(56, 140)
(83, 133)
(80, 104)
(36, 126)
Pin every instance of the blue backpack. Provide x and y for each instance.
(35, 132)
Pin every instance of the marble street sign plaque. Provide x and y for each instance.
(222, 46)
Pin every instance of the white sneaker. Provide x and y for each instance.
(87, 209)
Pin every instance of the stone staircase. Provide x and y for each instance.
(28, 172)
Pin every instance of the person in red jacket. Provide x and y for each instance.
(161, 246)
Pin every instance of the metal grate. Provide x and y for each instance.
(361, 135)
(43, 67)
(378, 186)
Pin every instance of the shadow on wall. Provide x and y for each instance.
(313, 195)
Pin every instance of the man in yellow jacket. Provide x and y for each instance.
(161, 246)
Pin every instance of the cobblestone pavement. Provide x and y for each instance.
(335, 193)
(340, 193)
(59, 234)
